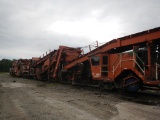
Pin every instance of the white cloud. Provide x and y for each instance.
(89, 28)
(31, 27)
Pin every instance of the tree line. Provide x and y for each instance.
(5, 64)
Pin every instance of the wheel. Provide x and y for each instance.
(132, 84)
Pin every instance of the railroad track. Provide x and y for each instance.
(146, 97)
(142, 97)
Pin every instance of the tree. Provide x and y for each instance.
(5, 64)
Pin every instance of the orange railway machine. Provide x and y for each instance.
(49, 67)
(131, 62)
(20, 68)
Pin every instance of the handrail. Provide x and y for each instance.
(139, 66)
(117, 59)
(114, 68)
(156, 66)
(138, 57)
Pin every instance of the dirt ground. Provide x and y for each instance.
(24, 99)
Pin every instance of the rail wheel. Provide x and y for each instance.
(132, 84)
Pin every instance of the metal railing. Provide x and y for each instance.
(120, 61)
(154, 71)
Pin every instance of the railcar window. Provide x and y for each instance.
(95, 60)
(105, 60)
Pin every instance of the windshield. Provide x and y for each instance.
(95, 60)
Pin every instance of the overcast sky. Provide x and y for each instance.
(29, 28)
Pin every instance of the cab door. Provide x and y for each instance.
(95, 67)
(104, 66)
